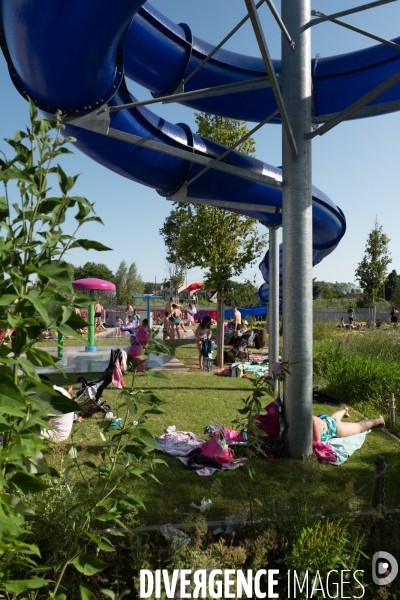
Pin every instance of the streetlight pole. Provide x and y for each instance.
(297, 229)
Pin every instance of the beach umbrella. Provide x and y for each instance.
(195, 286)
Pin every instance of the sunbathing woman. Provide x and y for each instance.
(326, 427)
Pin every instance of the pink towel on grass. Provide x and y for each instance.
(324, 452)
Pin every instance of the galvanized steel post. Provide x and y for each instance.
(297, 230)
(273, 302)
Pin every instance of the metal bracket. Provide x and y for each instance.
(98, 120)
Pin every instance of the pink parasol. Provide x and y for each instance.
(91, 283)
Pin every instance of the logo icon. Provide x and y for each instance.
(382, 562)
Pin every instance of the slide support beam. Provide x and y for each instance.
(262, 44)
(297, 232)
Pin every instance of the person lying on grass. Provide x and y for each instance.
(325, 427)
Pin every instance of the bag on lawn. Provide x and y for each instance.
(272, 423)
(217, 448)
(236, 370)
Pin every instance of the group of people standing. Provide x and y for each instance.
(173, 322)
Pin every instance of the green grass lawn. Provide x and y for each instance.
(195, 399)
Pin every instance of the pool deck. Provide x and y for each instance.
(77, 360)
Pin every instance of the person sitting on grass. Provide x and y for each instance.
(203, 332)
(326, 427)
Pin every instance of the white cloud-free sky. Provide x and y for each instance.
(356, 164)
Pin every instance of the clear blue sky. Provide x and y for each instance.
(356, 164)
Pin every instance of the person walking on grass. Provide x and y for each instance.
(203, 332)
(326, 427)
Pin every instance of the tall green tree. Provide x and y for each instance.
(96, 270)
(128, 282)
(372, 270)
(390, 285)
(176, 262)
(395, 299)
(223, 243)
(134, 283)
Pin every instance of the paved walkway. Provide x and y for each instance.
(76, 360)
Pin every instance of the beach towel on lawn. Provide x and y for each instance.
(339, 449)
(181, 443)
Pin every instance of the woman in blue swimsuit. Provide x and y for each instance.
(325, 427)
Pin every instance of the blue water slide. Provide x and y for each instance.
(159, 54)
(71, 57)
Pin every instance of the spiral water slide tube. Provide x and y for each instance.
(73, 56)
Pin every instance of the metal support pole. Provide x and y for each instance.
(91, 347)
(297, 231)
(273, 304)
(392, 410)
(220, 329)
(149, 323)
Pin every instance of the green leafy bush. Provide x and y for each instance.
(35, 294)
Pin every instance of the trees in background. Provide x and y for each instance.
(176, 264)
(128, 282)
(92, 269)
(242, 294)
(331, 291)
(390, 285)
(372, 270)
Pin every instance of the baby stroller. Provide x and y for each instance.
(91, 392)
(242, 344)
(206, 351)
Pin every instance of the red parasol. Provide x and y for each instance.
(195, 286)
